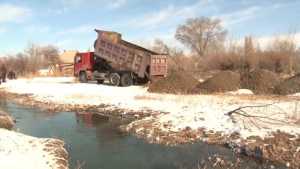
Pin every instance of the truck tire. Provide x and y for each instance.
(82, 77)
(126, 80)
(100, 81)
(114, 79)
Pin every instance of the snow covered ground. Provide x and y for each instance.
(266, 114)
(21, 151)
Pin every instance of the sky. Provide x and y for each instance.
(70, 24)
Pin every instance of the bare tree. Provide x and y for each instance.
(21, 63)
(170, 50)
(249, 53)
(283, 49)
(8, 59)
(176, 57)
(34, 55)
(201, 34)
(160, 47)
(51, 56)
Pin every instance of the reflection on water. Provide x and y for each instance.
(94, 140)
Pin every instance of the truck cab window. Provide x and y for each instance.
(78, 59)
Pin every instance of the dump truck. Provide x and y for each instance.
(121, 62)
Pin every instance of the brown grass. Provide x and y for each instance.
(5, 121)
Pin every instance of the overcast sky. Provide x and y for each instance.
(70, 24)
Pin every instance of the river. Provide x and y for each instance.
(94, 141)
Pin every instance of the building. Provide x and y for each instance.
(67, 62)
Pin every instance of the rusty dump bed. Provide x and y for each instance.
(127, 56)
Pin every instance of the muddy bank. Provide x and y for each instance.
(145, 128)
(281, 147)
(103, 109)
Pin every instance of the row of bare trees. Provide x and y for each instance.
(208, 48)
(206, 41)
(32, 59)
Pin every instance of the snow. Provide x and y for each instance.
(53, 79)
(194, 111)
(21, 151)
(241, 91)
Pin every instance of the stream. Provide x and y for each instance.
(94, 141)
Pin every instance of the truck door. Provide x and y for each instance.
(77, 64)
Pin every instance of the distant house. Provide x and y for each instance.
(67, 62)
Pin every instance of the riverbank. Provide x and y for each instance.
(21, 151)
(264, 126)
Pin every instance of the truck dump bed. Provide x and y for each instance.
(127, 56)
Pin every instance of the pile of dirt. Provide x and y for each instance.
(179, 82)
(289, 86)
(260, 82)
(221, 82)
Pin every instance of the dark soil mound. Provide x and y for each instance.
(260, 82)
(179, 82)
(221, 82)
(289, 86)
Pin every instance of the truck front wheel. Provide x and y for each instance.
(114, 79)
(82, 77)
(126, 80)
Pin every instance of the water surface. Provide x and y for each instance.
(94, 140)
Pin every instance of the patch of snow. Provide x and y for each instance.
(53, 79)
(201, 80)
(21, 151)
(241, 91)
(194, 111)
(294, 136)
(296, 94)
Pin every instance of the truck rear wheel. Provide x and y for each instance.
(114, 79)
(126, 80)
(82, 77)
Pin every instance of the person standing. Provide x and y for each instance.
(4, 71)
(0, 75)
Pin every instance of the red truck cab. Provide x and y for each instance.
(87, 66)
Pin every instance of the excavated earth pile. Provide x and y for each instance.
(289, 86)
(260, 82)
(221, 82)
(179, 82)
